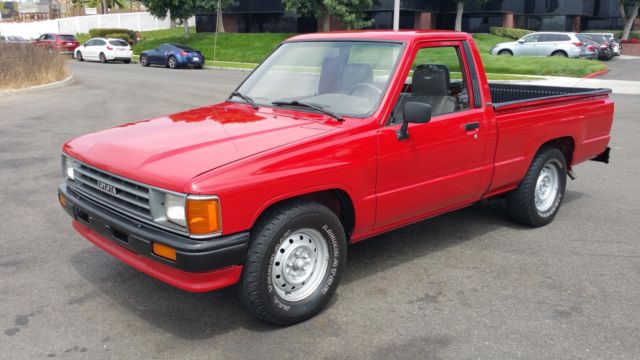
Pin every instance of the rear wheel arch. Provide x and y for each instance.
(337, 200)
(566, 144)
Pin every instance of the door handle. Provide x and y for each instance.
(471, 126)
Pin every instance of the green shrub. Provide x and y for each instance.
(509, 32)
(104, 32)
(124, 37)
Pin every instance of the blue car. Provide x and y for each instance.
(172, 56)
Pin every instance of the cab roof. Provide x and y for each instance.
(383, 35)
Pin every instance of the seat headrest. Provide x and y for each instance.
(356, 73)
(431, 80)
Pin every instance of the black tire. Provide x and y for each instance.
(199, 67)
(172, 62)
(560, 53)
(521, 202)
(505, 53)
(127, 61)
(79, 56)
(144, 61)
(103, 58)
(278, 227)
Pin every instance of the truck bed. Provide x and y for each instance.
(505, 95)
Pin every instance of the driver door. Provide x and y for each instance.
(441, 164)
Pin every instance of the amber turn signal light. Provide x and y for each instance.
(164, 251)
(62, 200)
(203, 215)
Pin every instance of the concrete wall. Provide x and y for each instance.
(138, 21)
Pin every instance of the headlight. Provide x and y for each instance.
(68, 168)
(174, 209)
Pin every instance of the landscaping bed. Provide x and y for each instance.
(23, 66)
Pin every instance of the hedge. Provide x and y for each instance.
(124, 37)
(509, 32)
(104, 32)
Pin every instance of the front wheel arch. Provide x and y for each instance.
(339, 201)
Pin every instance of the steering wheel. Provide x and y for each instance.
(365, 85)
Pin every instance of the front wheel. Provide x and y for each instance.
(505, 53)
(537, 199)
(294, 263)
(79, 56)
(144, 61)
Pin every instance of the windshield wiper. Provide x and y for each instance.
(307, 105)
(245, 98)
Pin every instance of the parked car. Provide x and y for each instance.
(615, 44)
(172, 56)
(266, 189)
(104, 50)
(605, 47)
(13, 39)
(63, 43)
(602, 52)
(589, 48)
(542, 44)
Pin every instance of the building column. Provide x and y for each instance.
(508, 20)
(575, 23)
(230, 22)
(425, 20)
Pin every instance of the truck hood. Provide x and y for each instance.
(168, 152)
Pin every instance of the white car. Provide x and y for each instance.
(104, 50)
(542, 44)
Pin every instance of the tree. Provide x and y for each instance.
(628, 11)
(350, 12)
(176, 9)
(460, 10)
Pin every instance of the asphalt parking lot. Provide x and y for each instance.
(466, 285)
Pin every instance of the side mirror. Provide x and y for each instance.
(413, 112)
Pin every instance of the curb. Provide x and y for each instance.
(33, 89)
(211, 67)
(596, 74)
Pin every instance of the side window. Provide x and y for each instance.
(99, 43)
(89, 43)
(532, 38)
(435, 79)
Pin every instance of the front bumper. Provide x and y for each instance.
(200, 265)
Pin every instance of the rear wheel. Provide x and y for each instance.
(294, 263)
(127, 61)
(144, 61)
(537, 199)
(103, 58)
(79, 56)
(199, 66)
(172, 62)
(560, 53)
(505, 53)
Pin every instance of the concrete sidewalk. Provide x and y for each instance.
(617, 86)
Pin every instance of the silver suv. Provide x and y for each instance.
(542, 44)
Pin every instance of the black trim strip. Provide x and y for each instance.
(477, 102)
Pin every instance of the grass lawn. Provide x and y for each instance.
(254, 47)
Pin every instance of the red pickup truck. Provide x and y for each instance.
(334, 138)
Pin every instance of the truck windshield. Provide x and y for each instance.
(343, 77)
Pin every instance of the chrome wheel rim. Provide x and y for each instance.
(546, 187)
(299, 265)
(172, 62)
(143, 60)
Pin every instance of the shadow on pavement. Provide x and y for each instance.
(194, 316)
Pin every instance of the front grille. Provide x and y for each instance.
(129, 197)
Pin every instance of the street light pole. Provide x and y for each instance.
(396, 15)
